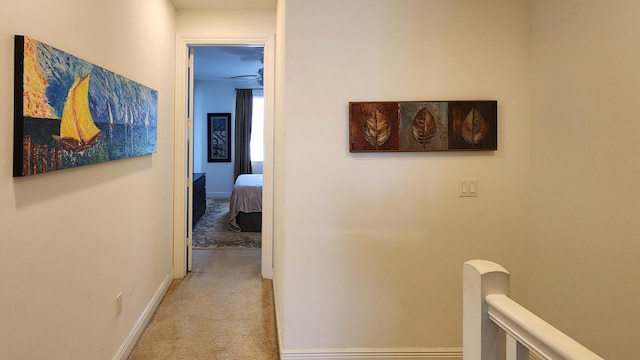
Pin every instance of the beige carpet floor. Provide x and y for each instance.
(223, 309)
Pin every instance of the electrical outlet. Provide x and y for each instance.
(119, 303)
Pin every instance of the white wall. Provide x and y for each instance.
(278, 169)
(213, 97)
(71, 240)
(584, 221)
(225, 22)
(374, 243)
(358, 274)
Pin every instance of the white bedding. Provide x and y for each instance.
(246, 197)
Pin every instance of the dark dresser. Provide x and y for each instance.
(199, 200)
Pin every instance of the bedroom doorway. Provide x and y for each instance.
(184, 148)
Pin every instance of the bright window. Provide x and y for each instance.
(257, 129)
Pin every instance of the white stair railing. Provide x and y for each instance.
(487, 308)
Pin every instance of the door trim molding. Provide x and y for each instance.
(183, 41)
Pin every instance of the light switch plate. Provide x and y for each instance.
(468, 187)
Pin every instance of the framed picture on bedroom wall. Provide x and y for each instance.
(219, 137)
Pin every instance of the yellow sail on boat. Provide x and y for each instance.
(77, 129)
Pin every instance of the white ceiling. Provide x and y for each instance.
(225, 4)
(229, 63)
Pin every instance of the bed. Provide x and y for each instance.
(245, 206)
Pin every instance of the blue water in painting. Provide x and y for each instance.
(118, 141)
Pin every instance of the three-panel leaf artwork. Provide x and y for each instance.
(418, 126)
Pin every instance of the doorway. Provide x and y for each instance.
(183, 146)
(219, 71)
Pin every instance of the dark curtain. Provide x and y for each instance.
(244, 111)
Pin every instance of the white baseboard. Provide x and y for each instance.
(380, 354)
(137, 330)
(225, 195)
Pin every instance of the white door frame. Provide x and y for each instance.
(183, 42)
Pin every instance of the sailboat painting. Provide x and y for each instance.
(69, 112)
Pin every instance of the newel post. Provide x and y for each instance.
(480, 338)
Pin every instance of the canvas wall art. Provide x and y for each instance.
(418, 126)
(69, 112)
(219, 137)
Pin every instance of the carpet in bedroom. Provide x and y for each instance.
(212, 230)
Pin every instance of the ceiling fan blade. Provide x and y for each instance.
(244, 77)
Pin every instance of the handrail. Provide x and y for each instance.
(533, 332)
(488, 308)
